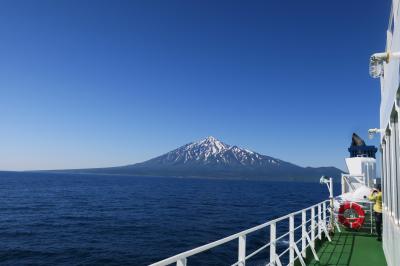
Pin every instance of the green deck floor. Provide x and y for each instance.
(350, 248)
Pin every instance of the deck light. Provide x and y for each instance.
(376, 64)
(373, 131)
(376, 61)
(324, 180)
(328, 181)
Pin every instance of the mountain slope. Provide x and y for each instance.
(211, 158)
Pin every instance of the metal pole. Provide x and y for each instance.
(332, 216)
(242, 250)
(272, 246)
(312, 227)
(303, 233)
(343, 184)
(291, 240)
(319, 222)
(324, 214)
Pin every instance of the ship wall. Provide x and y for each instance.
(390, 81)
(390, 143)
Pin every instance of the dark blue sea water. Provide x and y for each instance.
(70, 219)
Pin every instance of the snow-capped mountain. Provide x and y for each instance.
(211, 158)
(212, 152)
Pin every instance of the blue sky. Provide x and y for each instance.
(105, 83)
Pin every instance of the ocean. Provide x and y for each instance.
(82, 219)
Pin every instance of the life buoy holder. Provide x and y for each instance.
(351, 222)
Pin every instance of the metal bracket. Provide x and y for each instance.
(312, 248)
(278, 261)
(296, 249)
(326, 232)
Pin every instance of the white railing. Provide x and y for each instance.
(314, 222)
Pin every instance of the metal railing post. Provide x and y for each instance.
(331, 208)
(324, 213)
(181, 262)
(303, 233)
(291, 240)
(312, 227)
(272, 246)
(319, 222)
(242, 250)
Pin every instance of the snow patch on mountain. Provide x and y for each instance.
(211, 151)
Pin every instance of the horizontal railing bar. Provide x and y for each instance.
(283, 253)
(258, 250)
(282, 236)
(299, 212)
(297, 227)
(288, 232)
(196, 250)
(208, 246)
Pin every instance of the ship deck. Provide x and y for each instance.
(350, 248)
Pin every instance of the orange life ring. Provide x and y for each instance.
(351, 222)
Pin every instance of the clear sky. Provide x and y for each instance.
(106, 83)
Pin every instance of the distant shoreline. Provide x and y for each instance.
(71, 172)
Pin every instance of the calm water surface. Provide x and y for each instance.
(70, 219)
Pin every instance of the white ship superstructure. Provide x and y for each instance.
(386, 66)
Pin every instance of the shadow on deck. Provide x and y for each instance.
(349, 248)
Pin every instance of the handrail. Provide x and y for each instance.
(318, 221)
